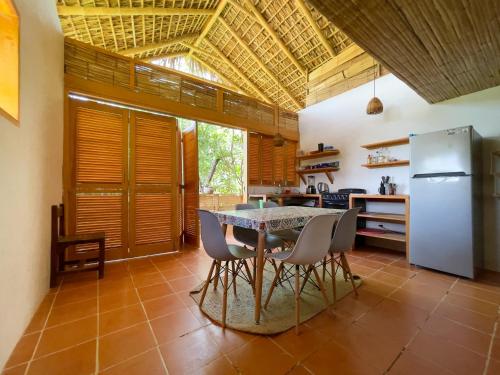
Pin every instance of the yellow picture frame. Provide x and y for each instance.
(9, 63)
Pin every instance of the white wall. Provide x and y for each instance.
(30, 171)
(342, 121)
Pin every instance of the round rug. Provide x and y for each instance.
(280, 313)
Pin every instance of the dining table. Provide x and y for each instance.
(268, 220)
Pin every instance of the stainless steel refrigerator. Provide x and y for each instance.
(445, 196)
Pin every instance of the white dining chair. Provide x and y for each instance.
(342, 241)
(288, 236)
(311, 247)
(234, 257)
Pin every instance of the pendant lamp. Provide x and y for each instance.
(375, 105)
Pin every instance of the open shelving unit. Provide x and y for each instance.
(388, 143)
(317, 155)
(327, 171)
(359, 200)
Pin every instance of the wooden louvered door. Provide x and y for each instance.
(253, 158)
(291, 163)
(191, 186)
(153, 184)
(279, 166)
(267, 160)
(98, 189)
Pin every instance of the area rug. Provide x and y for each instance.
(280, 313)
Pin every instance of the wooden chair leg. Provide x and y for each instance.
(306, 278)
(297, 299)
(344, 268)
(224, 298)
(324, 268)
(249, 274)
(102, 256)
(53, 266)
(233, 269)
(273, 284)
(334, 279)
(321, 286)
(207, 282)
(349, 273)
(217, 274)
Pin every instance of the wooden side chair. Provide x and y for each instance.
(60, 242)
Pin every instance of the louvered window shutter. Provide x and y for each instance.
(279, 165)
(253, 157)
(266, 165)
(291, 163)
(153, 184)
(98, 199)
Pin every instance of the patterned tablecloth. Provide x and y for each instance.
(273, 219)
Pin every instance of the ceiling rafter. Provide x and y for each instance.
(210, 23)
(77, 10)
(244, 45)
(262, 21)
(239, 72)
(307, 14)
(155, 46)
(169, 55)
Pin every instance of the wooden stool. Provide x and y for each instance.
(59, 243)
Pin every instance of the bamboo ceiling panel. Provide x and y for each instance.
(263, 48)
(442, 49)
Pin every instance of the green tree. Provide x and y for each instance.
(221, 148)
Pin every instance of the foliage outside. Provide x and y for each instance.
(222, 147)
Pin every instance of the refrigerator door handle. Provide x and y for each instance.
(447, 174)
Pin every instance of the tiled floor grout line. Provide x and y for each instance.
(150, 326)
(492, 341)
(43, 328)
(419, 328)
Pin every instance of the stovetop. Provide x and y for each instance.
(342, 194)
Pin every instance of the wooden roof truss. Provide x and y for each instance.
(263, 48)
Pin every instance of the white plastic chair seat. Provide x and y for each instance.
(241, 252)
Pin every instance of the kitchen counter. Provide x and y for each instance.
(291, 199)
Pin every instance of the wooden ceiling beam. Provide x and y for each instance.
(210, 23)
(155, 46)
(263, 22)
(307, 14)
(259, 62)
(76, 10)
(239, 72)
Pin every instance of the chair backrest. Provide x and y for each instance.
(345, 231)
(245, 235)
(57, 222)
(244, 206)
(212, 236)
(270, 204)
(314, 240)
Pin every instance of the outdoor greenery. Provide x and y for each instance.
(220, 154)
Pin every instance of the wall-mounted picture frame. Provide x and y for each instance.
(9, 61)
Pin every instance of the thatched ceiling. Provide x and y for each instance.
(265, 48)
(441, 48)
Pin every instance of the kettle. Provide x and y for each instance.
(323, 188)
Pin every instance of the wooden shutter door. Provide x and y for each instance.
(191, 186)
(98, 192)
(278, 165)
(253, 157)
(153, 184)
(291, 163)
(266, 165)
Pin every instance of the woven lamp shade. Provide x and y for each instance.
(374, 106)
(278, 140)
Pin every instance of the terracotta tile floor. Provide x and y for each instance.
(140, 320)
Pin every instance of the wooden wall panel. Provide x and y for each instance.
(267, 160)
(291, 163)
(278, 165)
(253, 158)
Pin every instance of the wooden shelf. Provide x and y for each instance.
(397, 163)
(386, 236)
(398, 197)
(318, 155)
(326, 171)
(389, 143)
(382, 216)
